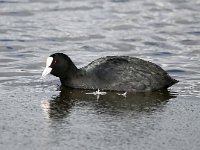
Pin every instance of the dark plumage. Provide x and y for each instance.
(118, 73)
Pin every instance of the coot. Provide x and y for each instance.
(116, 73)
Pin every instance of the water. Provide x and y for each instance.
(38, 114)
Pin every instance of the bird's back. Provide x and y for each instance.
(123, 73)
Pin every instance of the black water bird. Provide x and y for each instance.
(112, 73)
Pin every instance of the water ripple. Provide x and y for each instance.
(165, 32)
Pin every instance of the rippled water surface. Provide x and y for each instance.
(38, 114)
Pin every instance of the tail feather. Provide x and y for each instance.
(171, 81)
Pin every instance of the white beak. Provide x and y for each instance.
(48, 69)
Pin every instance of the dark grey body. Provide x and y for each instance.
(120, 73)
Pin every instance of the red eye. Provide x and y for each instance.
(55, 61)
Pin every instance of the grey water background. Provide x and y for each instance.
(37, 114)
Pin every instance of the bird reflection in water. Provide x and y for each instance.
(111, 103)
